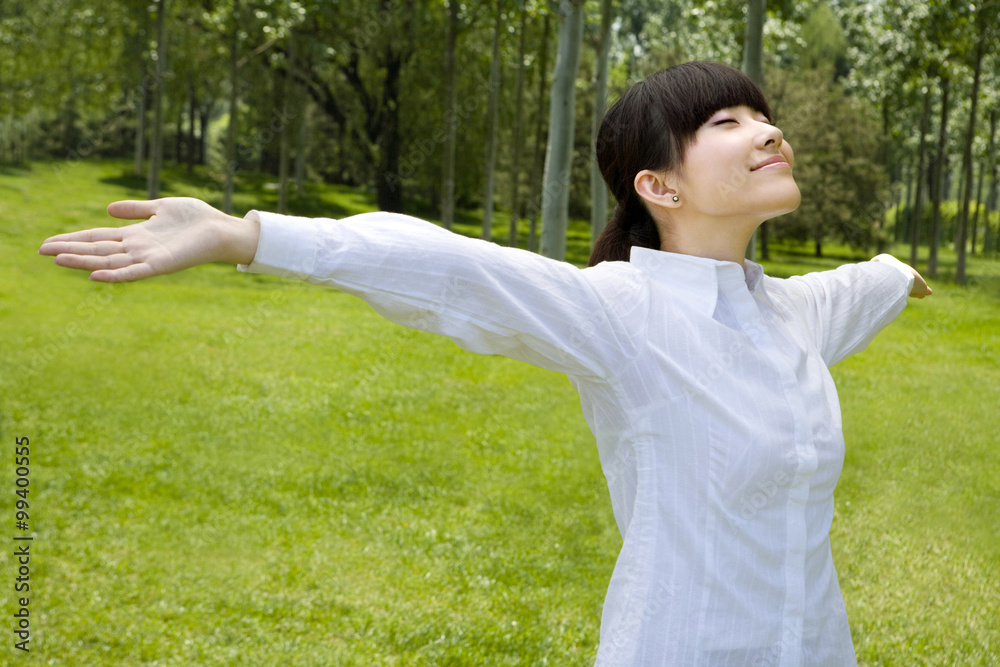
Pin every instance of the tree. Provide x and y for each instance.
(287, 88)
(492, 113)
(991, 197)
(515, 163)
(156, 141)
(370, 61)
(844, 191)
(234, 98)
(537, 164)
(986, 19)
(940, 161)
(753, 42)
(916, 214)
(450, 120)
(134, 51)
(598, 189)
(562, 116)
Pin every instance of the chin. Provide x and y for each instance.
(788, 203)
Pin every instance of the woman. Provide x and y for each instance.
(705, 382)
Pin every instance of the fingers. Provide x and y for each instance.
(112, 269)
(920, 288)
(83, 236)
(126, 274)
(99, 248)
(130, 209)
(93, 262)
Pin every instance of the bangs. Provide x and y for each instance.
(700, 89)
(685, 96)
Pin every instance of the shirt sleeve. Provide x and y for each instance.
(847, 307)
(487, 298)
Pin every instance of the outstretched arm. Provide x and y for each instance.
(488, 299)
(847, 307)
(176, 234)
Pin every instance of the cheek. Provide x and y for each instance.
(786, 150)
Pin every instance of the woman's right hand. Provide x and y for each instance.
(176, 234)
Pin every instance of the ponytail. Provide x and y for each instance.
(630, 225)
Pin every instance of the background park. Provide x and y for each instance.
(238, 470)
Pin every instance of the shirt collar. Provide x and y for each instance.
(696, 281)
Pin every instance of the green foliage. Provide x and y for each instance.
(823, 43)
(844, 189)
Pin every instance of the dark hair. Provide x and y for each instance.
(649, 127)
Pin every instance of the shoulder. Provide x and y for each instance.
(617, 279)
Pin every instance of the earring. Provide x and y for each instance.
(676, 198)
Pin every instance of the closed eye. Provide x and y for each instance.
(726, 120)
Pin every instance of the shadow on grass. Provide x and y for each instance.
(175, 182)
(260, 192)
(127, 182)
(16, 170)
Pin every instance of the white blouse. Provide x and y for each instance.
(706, 386)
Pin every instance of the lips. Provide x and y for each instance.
(774, 159)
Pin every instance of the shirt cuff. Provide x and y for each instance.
(287, 245)
(901, 269)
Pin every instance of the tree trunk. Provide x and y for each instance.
(753, 66)
(515, 166)
(283, 141)
(967, 162)
(598, 188)
(192, 119)
(389, 191)
(491, 124)
(906, 190)
(156, 142)
(140, 131)
(991, 199)
(936, 185)
(753, 43)
(562, 116)
(234, 84)
(302, 147)
(540, 139)
(203, 113)
(918, 204)
(288, 89)
(978, 200)
(450, 120)
(135, 47)
(179, 135)
(959, 189)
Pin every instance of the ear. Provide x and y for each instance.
(656, 188)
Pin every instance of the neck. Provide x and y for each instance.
(713, 239)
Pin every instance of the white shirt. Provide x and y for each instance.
(707, 389)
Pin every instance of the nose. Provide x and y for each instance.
(770, 137)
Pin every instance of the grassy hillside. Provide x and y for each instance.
(232, 469)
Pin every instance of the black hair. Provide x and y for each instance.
(650, 127)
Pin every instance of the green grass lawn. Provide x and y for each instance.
(231, 469)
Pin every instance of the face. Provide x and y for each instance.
(738, 165)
